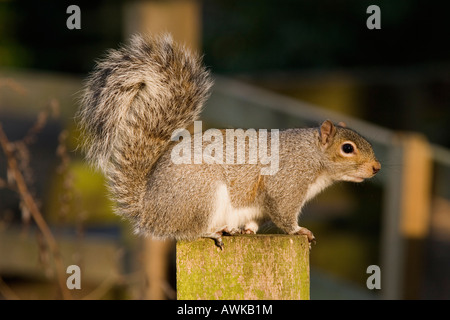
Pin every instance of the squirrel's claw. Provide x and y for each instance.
(217, 237)
(219, 243)
(225, 231)
(311, 239)
(313, 242)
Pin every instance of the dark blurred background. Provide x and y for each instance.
(269, 41)
(317, 52)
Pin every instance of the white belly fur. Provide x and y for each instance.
(225, 215)
(317, 186)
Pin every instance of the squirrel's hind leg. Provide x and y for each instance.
(306, 232)
(249, 228)
(217, 235)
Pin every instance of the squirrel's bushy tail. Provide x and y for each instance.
(133, 101)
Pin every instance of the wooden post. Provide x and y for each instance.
(416, 199)
(251, 267)
(415, 209)
(391, 238)
(407, 216)
(182, 18)
(156, 267)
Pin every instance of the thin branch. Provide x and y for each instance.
(41, 120)
(35, 212)
(102, 288)
(13, 85)
(7, 292)
(3, 183)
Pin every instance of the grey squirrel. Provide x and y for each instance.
(134, 100)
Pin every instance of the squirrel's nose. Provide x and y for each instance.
(376, 167)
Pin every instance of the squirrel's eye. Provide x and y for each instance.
(347, 148)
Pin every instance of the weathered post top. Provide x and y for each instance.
(250, 267)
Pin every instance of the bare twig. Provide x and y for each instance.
(102, 288)
(3, 183)
(7, 292)
(63, 169)
(41, 121)
(29, 201)
(13, 85)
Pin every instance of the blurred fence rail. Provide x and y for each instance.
(98, 257)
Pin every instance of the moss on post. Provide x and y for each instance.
(249, 267)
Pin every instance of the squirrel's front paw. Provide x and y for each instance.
(309, 234)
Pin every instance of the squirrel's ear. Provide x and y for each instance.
(342, 124)
(327, 131)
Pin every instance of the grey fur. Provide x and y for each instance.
(134, 100)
